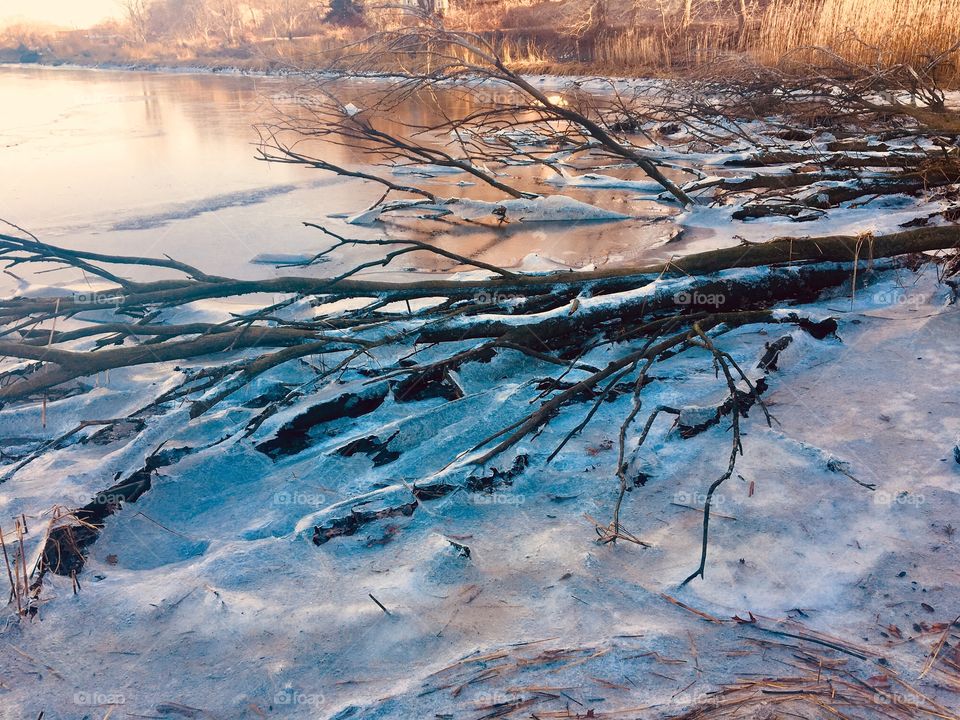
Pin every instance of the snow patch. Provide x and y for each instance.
(552, 208)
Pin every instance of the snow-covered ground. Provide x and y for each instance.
(208, 598)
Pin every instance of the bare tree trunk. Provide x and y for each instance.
(743, 14)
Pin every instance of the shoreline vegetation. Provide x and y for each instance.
(572, 37)
(443, 453)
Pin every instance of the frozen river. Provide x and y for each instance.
(147, 163)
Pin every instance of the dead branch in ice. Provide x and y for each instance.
(878, 90)
(15, 561)
(506, 120)
(642, 314)
(813, 86)
(816, 133)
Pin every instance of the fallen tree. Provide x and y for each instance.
(602, 332)
(643, 314)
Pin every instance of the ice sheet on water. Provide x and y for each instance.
(183, 211)
(550, 208)
(233, 556)
(426, 169)
(282, 258)
(594, 181)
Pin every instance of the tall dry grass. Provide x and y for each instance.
(877, 33)
(872, 32)
(532, 35)
(649, 47)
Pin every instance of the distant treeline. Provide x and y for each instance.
(607, 36)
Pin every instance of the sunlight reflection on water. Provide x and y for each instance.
(148, 163)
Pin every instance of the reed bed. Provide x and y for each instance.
(870, 32)
(535, 37)
(642, 47)
(874, 33)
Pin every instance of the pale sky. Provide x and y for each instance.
(70, 13)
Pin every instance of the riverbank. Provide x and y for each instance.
(210, 598)
(538, 39)
(280, 68)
